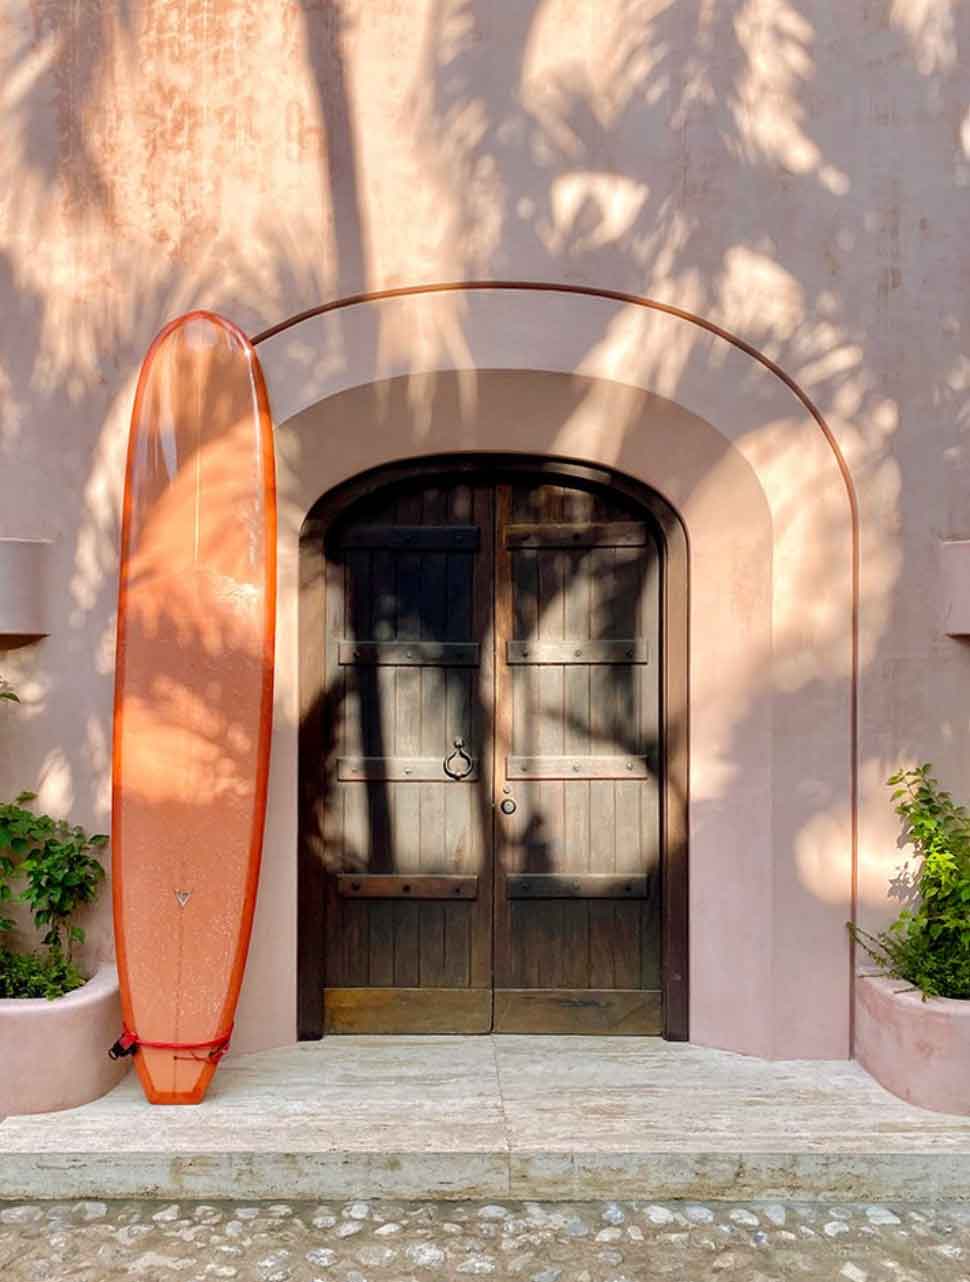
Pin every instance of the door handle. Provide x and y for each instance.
(507, 806)
(458, 764)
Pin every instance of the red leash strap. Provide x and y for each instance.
(129, 1042)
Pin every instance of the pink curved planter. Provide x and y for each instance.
(919, 1050)
(55, 1054)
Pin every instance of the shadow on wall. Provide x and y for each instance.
(740, 161)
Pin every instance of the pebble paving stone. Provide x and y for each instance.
(362, 1241)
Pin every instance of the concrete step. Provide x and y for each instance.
(483, 1117)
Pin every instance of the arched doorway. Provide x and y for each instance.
(730, 443)
(493, 753)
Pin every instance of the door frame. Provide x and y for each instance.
(674, 707)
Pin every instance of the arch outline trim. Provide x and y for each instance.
(748, 349)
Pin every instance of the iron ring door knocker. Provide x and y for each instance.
(465, 768)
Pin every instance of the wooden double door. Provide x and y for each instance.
(486, 779)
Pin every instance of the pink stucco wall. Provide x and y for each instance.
(796, 173)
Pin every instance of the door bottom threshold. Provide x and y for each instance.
(407, 1010)
(469, 1011)
(615, 1012)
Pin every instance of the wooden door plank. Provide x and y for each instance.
(405, 921)
(651, 952)
(626, 945)
(374, 616)
(545, 935)
(507, 696)
(352, 615)
(456, 968)
(380, 943)
(577, 506)
(431, 952)
(477, 852)
(648, 689)
(600, 563)
(589, 1011)
(630, 858)
(407, 710)
(431, 805)
(404, 624)
(407, 1010)
(433, 731)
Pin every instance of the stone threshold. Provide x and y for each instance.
(549, 1118)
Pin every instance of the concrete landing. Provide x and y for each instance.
(489, 1117)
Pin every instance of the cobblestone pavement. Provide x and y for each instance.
(531, 1242)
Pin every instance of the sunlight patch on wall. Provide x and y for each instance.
(590, 210)
(929, 25)
(823, 855)
(24, 669)
(634, 349)
(812, 566)
(779, 43)
(55, 785)
(96, 549)
(428, 191)
(98, 749)
(13, 412)
(575, 48)
(757, 295)
(598, 426)
(420, 339)
(870, 453)
(735, 692)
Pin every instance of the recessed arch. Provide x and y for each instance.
(768, 506)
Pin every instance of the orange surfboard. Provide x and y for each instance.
(193, 698)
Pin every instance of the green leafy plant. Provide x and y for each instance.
(7, 870)
(47, 975)
(59, 864)
(928, 945)
(7, 866)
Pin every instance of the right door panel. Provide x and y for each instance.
(577, 757)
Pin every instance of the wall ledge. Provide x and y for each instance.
(24, 612)
(955, 574)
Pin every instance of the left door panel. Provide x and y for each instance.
(408, 820)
